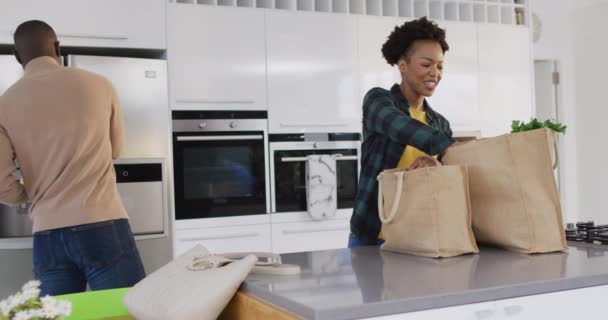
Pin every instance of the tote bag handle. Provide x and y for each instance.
(396, 200)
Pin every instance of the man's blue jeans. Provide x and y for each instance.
(354, 242)
(102, 254)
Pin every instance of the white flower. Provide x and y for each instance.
(47, 300)
(36, 313)
(4, 309)
(21, 315)
(30, 293)
(64, 308)
(32, 284)
(12, 302)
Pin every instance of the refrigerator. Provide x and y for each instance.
(141, 85)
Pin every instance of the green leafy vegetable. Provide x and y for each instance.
(520, 126)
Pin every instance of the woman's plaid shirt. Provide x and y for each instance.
(387, 130)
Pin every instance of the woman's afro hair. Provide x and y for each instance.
(400, 41)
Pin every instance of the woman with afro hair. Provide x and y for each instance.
(400, 129)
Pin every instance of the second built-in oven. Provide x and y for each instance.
(289, 153)
(220, 161)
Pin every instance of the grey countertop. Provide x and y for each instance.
(367, 282)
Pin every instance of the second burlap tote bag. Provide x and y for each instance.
(426, 212)
(514, 197)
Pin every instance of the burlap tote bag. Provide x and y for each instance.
(514, 197)
(426, 212)
(194, 286)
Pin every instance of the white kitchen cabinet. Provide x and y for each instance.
(224, 239)
(569, 304)
(505, 77)
(456, 97)
(475, 311)
(374, 71)
(108, 23)
(312, 72)
(310, 235)
(216, 58)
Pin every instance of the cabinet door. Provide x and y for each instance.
(579, 303)
(254, 238)
(310, 236)
(216, 58)
(456, 97)
(374, 71)
(505, 77)
(475, 311)
(312, 69)
(108, 23)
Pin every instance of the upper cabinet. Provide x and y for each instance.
(374, 71)
(312, 72)
(108, 23)
(456, 97)
(505, 77)
(216, 58)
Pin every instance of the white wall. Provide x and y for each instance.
(574, 33)
(557, 43)
(591, 87)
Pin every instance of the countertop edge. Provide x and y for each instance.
(428, 302)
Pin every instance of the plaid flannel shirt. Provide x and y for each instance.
(387, 130)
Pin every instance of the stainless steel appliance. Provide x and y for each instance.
(141, 85)
(141, 189)
(220, 160)
(288, 167)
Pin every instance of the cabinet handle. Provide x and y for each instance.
(93, 36)
(484, 314)
(209, 101)
(328, 124)
(299, 231)
(302, 159)
(219, 138)
(513, 310)
(228, 236)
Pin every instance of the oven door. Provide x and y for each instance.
(219, 174)
(288, 169)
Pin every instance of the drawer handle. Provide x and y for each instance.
(210, 101)
(513, 310)
(329, 124)
(484, 314)
(302, 159)
(92, 36)
(299, 231)
(228, 236)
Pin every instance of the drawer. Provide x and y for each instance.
(224, 239)
(310, 235)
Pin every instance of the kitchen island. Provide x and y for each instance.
(369, 283)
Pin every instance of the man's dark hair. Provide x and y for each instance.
(401, 40)
(33, 28)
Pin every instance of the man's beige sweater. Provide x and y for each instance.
(63, 126)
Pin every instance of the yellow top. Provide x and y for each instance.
(410, 153)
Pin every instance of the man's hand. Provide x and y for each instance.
(423, 162)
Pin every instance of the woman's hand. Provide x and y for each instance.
(423, 162)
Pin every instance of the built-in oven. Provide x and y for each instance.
(288, 168)
(220, 160)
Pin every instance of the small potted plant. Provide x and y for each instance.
(27, 304)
